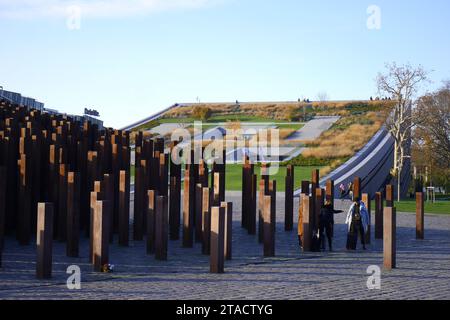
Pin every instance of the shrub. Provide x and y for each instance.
(292, 113)
(307, 162)
(201, 113)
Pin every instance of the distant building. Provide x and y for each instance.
(50, 111)
(84, 118)
(17, 98)
(30, 103)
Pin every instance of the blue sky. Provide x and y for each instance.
(132, 58)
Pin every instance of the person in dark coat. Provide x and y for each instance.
(326, 224)
(358, 220)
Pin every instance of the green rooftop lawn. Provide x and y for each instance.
(234, 183)
(234, 176)
(221, 118)
(440, 207)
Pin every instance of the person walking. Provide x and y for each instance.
(350, 190)
(326, 224)
(342, 190)
(358, 222)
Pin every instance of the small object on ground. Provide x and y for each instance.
(108, 268)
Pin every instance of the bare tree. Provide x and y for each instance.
(323, 96)
(434, 129)
(401, 83)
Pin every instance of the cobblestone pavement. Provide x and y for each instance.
(423, 269)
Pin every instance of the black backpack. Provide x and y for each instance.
(357, 213)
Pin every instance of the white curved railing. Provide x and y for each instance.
(372, 163)
(156, 116)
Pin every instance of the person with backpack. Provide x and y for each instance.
(350, 190)
(358, 222)
(326, 224)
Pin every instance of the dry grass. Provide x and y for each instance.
(334, 144)
(286, 133)
(277, 111)
(327, 169)
(234, 125)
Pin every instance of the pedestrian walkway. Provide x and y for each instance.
(423, 268)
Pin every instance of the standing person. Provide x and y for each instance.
(358, 222)
(342, 190)
(350, 190)
(326, 224)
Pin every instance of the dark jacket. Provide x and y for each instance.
(327, 215)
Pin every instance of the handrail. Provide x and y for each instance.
(148, 119)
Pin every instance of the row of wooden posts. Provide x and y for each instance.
(60, 178)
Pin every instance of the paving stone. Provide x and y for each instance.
(423, 268)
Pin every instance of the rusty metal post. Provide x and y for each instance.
(3, 175)
(304, 191)
(261, 193)
(420, 216)
(216, 189)
(389, 195)
(228, 229)
(329, 192)
(44, 241)
(289, 199)
(92, 176)
(24, 218)
(95, 196)
(252, 207)
(389, 238)
(206, 221)
(217, 257)
(152, 197)
(357, 188)
(108, 188)
(73, 214)
(124, 207)
(188, 210)
(315, 178)
(308, 215)
(247, 173)
(161, 228)
(101, 235)
(139, 191)
(318, 204)
(62, 204)
(379, 215)
(116, 157)
(269, 226)
(198, 213)
(175, 199)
